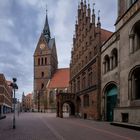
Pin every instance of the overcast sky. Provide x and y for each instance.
(21, 23)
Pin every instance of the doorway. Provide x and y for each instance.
(111, 101)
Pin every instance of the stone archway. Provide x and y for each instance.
(71, 108)
(63, 98)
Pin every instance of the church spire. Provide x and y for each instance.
(46, 30)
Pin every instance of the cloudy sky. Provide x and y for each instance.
(21, 23)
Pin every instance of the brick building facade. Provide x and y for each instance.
(27, 102)
(85, 62)
(5, 96)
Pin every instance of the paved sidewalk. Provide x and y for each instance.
(27, 128)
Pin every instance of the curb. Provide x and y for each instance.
(126, 125)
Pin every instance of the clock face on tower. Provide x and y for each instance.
(42, 46)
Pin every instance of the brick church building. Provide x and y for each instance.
(46, 70)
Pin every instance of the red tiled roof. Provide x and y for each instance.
(60, 79)
(105, 34)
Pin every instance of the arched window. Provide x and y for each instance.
(42, 74)
(45, 60)
(135, 38)
(106, 64)
(86, 100)
(114, 61)
(38, 61)
(42, 86)
(42, 61)
(134, 83)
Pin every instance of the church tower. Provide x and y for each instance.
(45, 64)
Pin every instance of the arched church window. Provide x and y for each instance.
(38, 61)
(45, 60)
(42, 74)
(42, 61)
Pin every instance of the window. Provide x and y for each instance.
(42, 61)
(134, 83)
(42, 74)
(114, 61)
(134, 38)
(86, 100)
(38, 61)
(45, 60)
(106, 64)
(42, 86)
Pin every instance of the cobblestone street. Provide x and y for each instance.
(40, 126)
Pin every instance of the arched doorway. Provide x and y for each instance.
(111, 101)
(68, 109)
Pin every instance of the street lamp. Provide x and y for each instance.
(14, 86)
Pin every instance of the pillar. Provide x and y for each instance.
(61, 111)
(111, 63)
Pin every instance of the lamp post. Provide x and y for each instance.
(14, 86)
